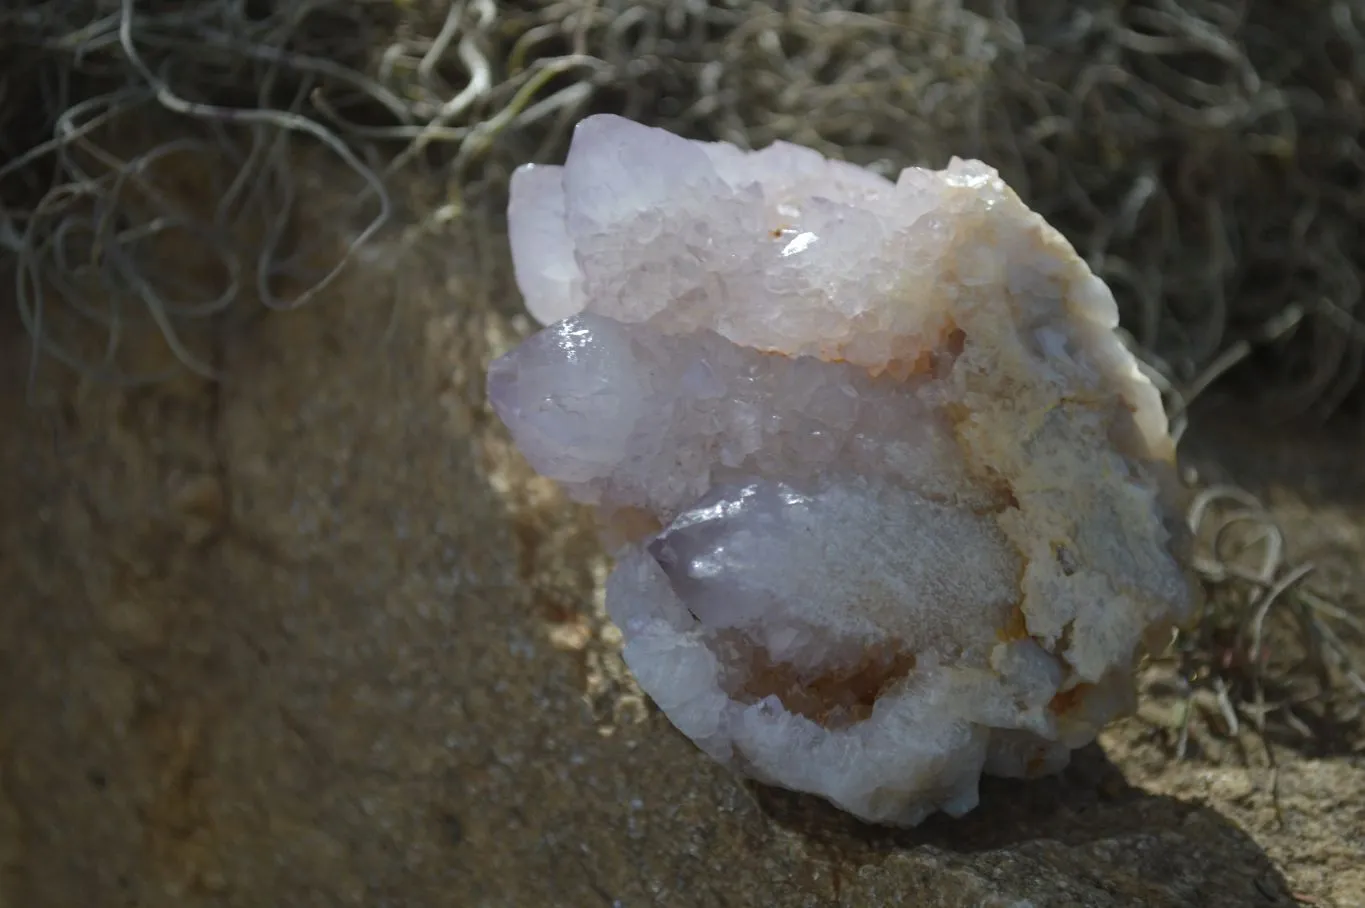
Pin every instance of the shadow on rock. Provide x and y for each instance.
(1086, 824)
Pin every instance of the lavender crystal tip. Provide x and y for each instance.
(898, 507)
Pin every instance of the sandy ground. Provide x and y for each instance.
(314, 635)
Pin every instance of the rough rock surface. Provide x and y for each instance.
(898, 506)
(317, 637)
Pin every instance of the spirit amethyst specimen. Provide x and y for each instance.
(894, 505)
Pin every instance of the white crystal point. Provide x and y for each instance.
(571, 423)
(895, 507)
(542, 253)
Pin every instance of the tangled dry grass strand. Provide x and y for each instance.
(1279, 649)
(97, 203)
(1302, 684)
(1205, 155)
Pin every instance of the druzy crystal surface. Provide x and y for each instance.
(892, 506)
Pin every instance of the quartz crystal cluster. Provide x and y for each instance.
(892, 505)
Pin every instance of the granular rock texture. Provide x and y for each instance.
(894, 504)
